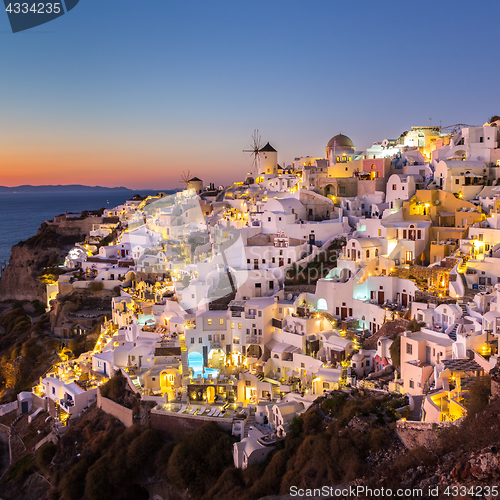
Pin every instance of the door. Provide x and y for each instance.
(258, 290)
(380, 297)
(281, 262)
(404, 299)
(343, 313)
(256, 263)
(312, 239)
(205, 355)
(428, 355)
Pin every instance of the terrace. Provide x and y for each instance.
(212, 412)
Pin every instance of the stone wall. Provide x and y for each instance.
(175, 426)
(414, 434)
(124, 415)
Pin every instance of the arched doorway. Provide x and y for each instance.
(210, 394)
(322, 305)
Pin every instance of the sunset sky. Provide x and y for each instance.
(133, 92)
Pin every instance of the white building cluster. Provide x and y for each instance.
(221, 301)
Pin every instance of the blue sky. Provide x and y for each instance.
(133, 92)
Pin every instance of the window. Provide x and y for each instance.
(54, 389)
(368, 363)
(210, 338)
(302, 365)
(481, 139)
(221, 321)
(411, 384)
(153, 379)
(260, 312)
(280, 310)
(376, 252)
(239, 326)
(192, 340)
(394, 187)
(273, 260)
(263, 261)
(354, 365)
(404, 233)
(232, 325)
(269, 219)
(368, 254)
(200, 340)
(222, 337)
(457, 181)
(209, 321)
(289, 261)
(248, 261)
(380, 232)
(341, 189)
(326, 385)
(409, 349)
(260, 331)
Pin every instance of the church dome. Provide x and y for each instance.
(340, 141)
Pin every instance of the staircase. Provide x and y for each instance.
(463, 307)
(260, 376)
(185, 369)
(248, 423)
(464, 281)
(453, 333)
(276, 392)
(136, 383)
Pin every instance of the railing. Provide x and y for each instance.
(251, 339)
(249, 316)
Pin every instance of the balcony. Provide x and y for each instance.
(250, 315)
(216, 344)
(252, 339)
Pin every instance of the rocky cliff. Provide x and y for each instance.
(29, 258)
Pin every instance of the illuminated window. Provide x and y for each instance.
(239, 326)
(380, 232)
(209, 321)
(232, 325)
(221, 321)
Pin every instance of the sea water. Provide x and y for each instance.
(21, 214)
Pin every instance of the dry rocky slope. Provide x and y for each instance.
(46, 249)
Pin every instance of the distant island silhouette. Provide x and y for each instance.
(61, 188)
